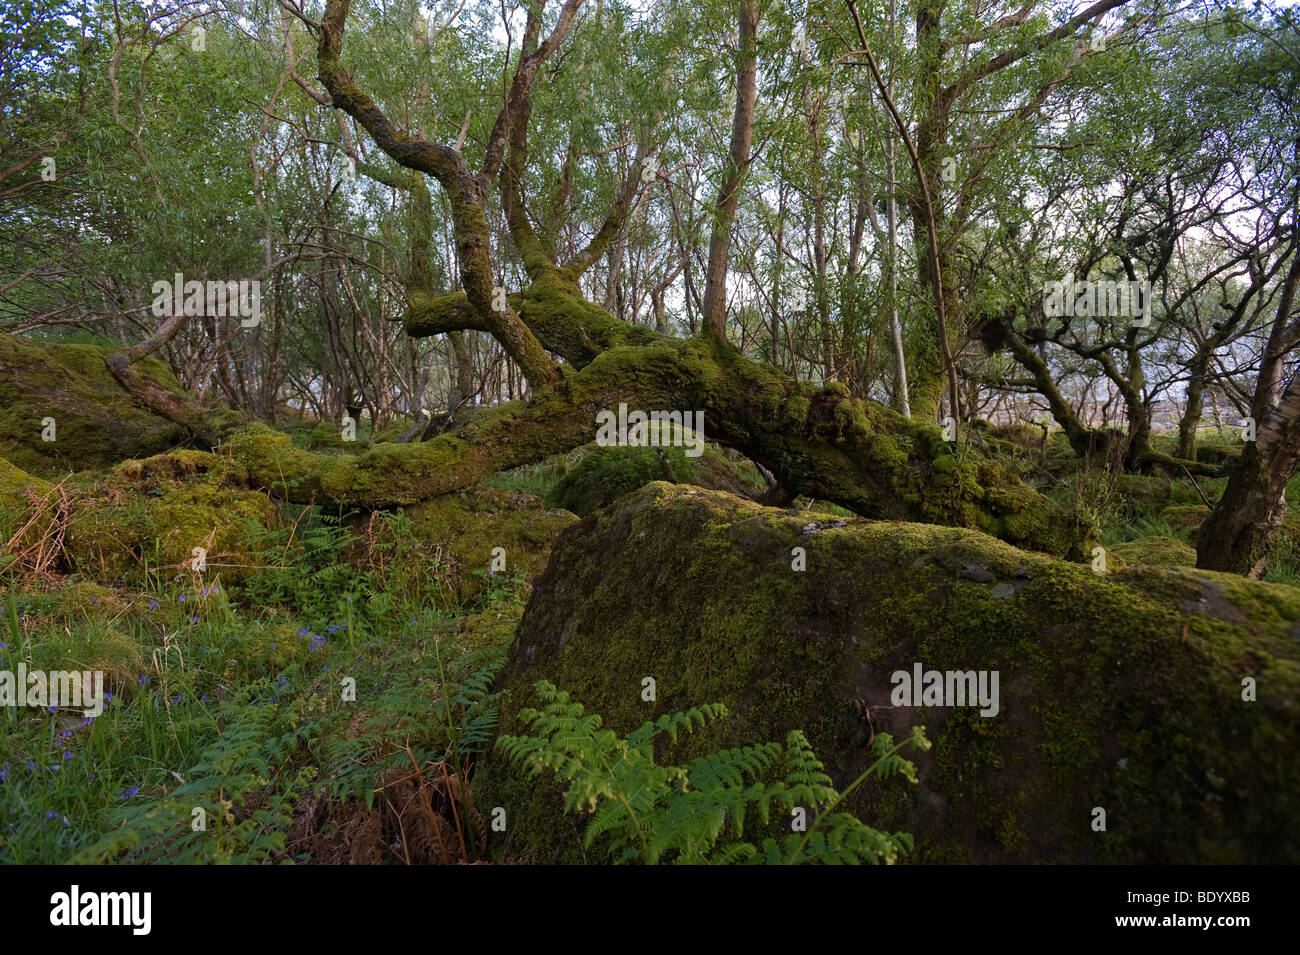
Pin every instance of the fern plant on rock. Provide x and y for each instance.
(714, 810)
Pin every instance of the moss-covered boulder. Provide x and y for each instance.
(1185, 515)
(1143, 494)
(1156, 552)
(605, 474)
(148, 513)
(465, 528)
(28, 516)
(67, 392)
(1121, 692)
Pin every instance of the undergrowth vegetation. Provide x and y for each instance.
(324, 696)
(226, 707)
(763, 804)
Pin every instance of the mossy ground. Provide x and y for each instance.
(1122, 692)
(225, 684)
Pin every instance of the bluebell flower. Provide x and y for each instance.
(144, 680)
(153, 605)
(51, 814)
(31, 764)
(67, 755)
(108, 697)
(130, 792)
(4, 772)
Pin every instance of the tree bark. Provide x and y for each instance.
(1236, 535)
(742, 138)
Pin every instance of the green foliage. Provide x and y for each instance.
(725, 807)
(222, 702)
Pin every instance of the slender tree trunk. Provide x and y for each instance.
(901, 399)
(742, 137)
(1191, 417)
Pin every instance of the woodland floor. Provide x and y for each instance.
(225, 685)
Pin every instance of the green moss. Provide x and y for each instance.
(1156, 552)
(1121, 691)
(1185, 515)
(153, 513)
(95, 422)
(21, 495)
(1143, 495)
(465, 528)
(604, 474)
(490, 628)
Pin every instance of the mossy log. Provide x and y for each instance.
(816, 440)
(1121, 692)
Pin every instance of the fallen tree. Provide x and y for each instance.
(816, 440)
(61, 408)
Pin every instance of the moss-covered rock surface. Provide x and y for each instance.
(66, 392)
(605, 474)
(1121, 692)
(466, 529)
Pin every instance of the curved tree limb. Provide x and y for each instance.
(815, 440)
(465, 189)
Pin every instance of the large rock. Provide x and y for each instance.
(151, 513)
(466, 528)
(96, 423)
(605, 474)
(1122, 693)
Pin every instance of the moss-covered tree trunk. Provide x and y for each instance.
(1238, 531)
(814, 440)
